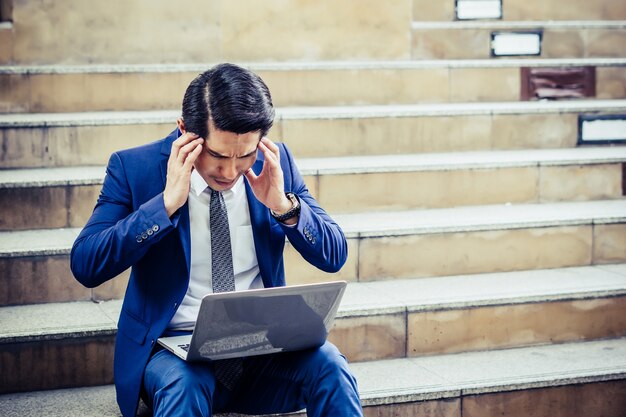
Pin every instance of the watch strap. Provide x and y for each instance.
(292, 212)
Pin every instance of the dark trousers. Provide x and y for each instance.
(316, 379)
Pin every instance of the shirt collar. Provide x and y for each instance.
(199, 185)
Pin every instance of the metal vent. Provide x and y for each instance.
(557, 83)
(6, 10)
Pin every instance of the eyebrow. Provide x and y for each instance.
(219, 155)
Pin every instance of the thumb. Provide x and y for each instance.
(250, 175)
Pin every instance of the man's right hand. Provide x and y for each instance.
(184, 152)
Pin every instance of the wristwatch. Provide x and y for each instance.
(294, 211)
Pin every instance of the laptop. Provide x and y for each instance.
(259, 322)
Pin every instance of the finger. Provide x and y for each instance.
(178, 143)
(269, 155)
(271, 146)
(191, 158)
(184, 139)
(251, 175)
(188, 147)
(185, 150)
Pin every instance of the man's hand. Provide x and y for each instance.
(184, 152)
(269, 185)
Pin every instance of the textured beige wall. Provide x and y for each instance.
(607, 399)
(6, 45)
(63, 31)
(161, 31)
(560, 10)
(315, 29)
(433, 10)
(439, 408)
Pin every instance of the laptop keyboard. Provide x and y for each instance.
(184, 347)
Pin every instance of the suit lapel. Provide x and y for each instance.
(185, 234)
(260, 220)
(183, 222)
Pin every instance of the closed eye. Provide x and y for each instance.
(216, 155)
(220, 156)
(248, 155)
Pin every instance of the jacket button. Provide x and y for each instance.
(144, 236)
(149, 232)
(138, 239)
(155, 227)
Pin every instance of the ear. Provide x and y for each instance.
(181, 125)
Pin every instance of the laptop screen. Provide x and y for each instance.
(264, 321)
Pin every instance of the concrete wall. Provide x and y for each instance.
(164, 31)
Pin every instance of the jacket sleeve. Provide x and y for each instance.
(316, 236)
(117, 234)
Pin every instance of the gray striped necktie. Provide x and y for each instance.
(227, 371)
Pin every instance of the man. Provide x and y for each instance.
(207, 209)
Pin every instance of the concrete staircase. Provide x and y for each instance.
(487, 250)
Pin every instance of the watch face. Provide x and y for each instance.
(293, 212)
(294, 200)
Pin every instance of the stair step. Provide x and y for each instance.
(472, 39)
(553, 10)
(49, 120)
(62, 139)
(48, 197)
(481, 218)
(42, 273)
(520, 24)
(24, 243)
(406, 318)
(222, 33)
(352, 65)
(93, 175)
(477, 239)
(94, 401)
(411, 243)
(379, 33)
(50, 88)
(65, 196)
(463, 319)
(548, 379)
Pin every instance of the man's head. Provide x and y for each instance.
(231, 108)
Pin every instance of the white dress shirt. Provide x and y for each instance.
(245, 265)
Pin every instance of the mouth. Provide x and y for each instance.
(224, 183)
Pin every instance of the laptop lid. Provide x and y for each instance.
(263, 321)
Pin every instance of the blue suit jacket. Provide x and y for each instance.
(130, 228)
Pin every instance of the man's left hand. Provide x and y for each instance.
(269, 185)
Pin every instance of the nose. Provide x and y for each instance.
(229, 169)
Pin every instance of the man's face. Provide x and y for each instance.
(226, 156)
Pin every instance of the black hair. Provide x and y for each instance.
(236, 99)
